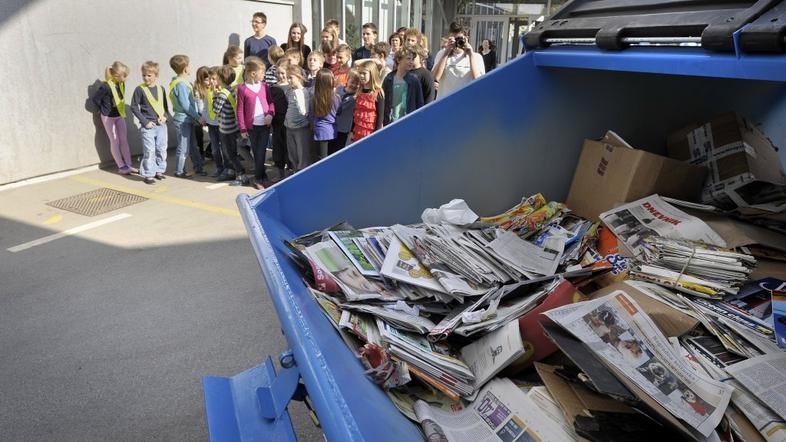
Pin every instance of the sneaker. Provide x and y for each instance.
(160, 176)
(226, 176)
(200, 172)
(216, 174)
(124, 171)
(182, 175)
(133, 169)
(149, 180)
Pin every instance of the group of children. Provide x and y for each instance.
(306, 108)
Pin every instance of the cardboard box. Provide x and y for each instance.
(744, 167)
(610, 173)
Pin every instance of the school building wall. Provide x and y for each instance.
(54, 53)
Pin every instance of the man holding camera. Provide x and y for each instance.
(457, 64)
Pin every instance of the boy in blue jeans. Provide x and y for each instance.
(185, 116)
(150, 108)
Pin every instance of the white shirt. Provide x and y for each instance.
(259, 111)
(457, 71)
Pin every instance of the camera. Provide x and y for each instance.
(460, 42)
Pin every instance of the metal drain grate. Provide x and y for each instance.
(96, 202)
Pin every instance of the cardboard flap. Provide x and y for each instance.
(738, 234)
(669, 320)
(611, 138)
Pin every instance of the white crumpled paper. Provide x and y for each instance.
(456, 212)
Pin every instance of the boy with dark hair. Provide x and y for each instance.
(369, 35)
(259, 43)
(181, 95)
(423, 75)
(403, 94)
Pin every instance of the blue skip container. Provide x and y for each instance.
(514, 132)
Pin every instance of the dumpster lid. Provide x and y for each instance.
(767, 33)
(617, 24)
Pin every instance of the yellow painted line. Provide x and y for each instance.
(158, 197)
(161, 188)
(54, 220)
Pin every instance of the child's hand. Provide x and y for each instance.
(150, 125)
(268, 120)
(244, 135)
(161, 120)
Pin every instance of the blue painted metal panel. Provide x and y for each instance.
(234, 412)
(516, 131)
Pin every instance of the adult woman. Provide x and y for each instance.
(296, 38)
(489, 54)
(396, 42)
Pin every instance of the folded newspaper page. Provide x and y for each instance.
(765, 377)
(633, 222)
(526, 256)
(493, 352)
(402, 265)
(624, 337)
(501, 412)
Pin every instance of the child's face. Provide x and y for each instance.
(353, 83)
(213, 80)
(294, 59)
(294, 80)
(325, 37)
(412, 40)
(149, 77)
(257, 25)
(406, 63)
(255, 76)
(395, 44)
(365, 76)
(314, 64)
(206, 82)
(120, 78)
(281, 75)
(236, 60)
(416, 62)
(331, 59)
(342, 58)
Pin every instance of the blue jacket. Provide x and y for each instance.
(414, 94)
(184, 104)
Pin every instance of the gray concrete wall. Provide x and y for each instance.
(54, 53)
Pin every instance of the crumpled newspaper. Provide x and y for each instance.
(456, 212)
(383, 370)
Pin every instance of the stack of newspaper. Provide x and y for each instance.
(692, 267)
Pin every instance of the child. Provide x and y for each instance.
(423, 75)
(273, 55)
(343, 54)
(331, 60)
(369, 102)
(314, 63)
(325, 106)
(279, 139)
(255, 110)
(345, 114)
(329, 36)
(185, 115)
(110, 100)
(297, 119)
(369, 35)
(201, 85)
(334, 26)
(294, 56)
(379, 55)
(234, 58)
(225, 107)
(207, 80)
(149, 105)
(402, 88)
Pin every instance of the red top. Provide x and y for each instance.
(246, 101)
(365, 115)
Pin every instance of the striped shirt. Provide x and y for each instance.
(271, 77)
(225, 113)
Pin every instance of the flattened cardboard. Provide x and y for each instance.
(738, 233)
(610, 173)
(669, 320)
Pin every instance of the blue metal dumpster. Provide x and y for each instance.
(514, 132)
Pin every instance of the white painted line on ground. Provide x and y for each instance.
(216, 186)
(69, 232)
(45, 178)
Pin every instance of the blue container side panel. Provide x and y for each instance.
(348, 405)
(512, 133)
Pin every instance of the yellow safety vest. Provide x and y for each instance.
(210, 112)
(172, 84)
(158, 104)
(120, 103)
(230, 97)
(239, 69)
